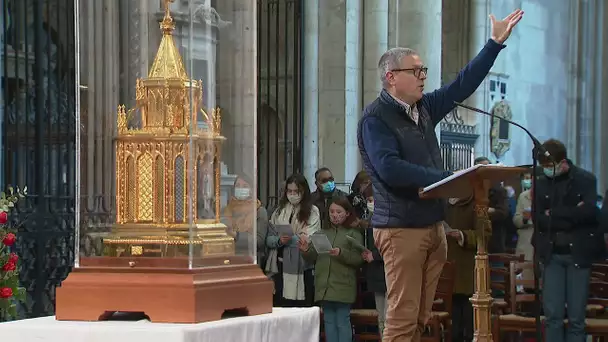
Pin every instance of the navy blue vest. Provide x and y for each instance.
(401, 207)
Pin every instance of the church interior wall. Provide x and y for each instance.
(543, 57)
(534, 69)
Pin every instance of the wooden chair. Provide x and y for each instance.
(500, 305)
(597, 325)
(362, 316)
(514, 320)
(440, 324)
(599, 272)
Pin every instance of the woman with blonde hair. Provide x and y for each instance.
(240, 215)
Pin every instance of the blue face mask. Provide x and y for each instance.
(553, 171)
(526, 184)
(328, 187)
(549, 172)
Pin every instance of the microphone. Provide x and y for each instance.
(537, 144)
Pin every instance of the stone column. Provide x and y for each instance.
(333, 90)
(375, 41)
(587, 104)
(418, 27)
(353, 87)
(593, 139)
(479, 27)
(573, 87)
(587, 95)
(310, 97)
(99, 27)
(416, 24)
(332, 63)
(245, 14)
(237, 83)
(602, 110)
(225, 84)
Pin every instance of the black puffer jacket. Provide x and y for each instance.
(374, 271)
(571, 226)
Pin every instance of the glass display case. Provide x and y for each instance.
(167, 210)
(166, 110)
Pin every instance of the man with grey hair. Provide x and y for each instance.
(401, 154)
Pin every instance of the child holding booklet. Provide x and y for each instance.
(336, 271)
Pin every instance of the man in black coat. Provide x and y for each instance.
(568, 240)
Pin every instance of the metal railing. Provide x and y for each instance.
(457, 142)
(38, 141)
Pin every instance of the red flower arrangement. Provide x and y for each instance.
(10, 292)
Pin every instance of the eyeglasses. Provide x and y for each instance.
(417, 72)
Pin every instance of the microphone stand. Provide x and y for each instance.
(536, 151)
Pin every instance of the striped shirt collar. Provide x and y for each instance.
(411, 111)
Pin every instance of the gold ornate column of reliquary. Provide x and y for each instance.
(154, 192)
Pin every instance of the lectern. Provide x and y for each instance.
(476, 181)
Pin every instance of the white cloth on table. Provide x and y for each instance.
(283, 324)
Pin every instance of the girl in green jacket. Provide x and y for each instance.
(336, 271)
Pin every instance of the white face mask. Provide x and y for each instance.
(370, 207)
(294, 199)
(242, 193)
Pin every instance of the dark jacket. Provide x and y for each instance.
(570, 227)
(460, 215)
(374, 271)
(500, 218)
(401, 156)
(322, 201)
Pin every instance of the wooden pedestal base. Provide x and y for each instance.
(168, 295)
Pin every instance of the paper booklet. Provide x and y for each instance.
(447, 228)
(321, 243)
(283, 229)
(356, 243)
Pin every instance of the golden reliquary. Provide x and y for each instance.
(162, 209)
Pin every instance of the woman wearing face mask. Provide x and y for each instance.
(523, 222)
(336, 272)
(239, 218)
(293, 277)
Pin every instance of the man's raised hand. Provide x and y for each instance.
(501, 29)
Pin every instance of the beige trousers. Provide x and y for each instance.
(413, 261)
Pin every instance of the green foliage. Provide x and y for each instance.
(9, 198)
(9, 279)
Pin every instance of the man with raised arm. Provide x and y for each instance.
(400, 152)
